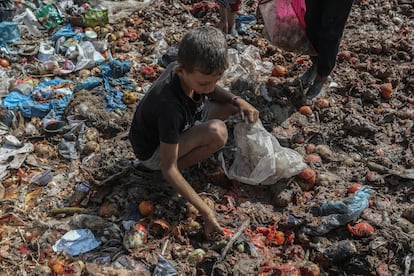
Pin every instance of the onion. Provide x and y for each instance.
(146, 208)
(354, 187)
(345, 56)
(313, 158)
(279, 71)
(322, 103)
(310, 148)
(4, 62)
(386, 90)
(306, 110)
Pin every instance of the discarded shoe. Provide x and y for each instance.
(54, 126)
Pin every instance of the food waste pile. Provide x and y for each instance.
(73, 202)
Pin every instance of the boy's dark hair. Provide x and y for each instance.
(204, 49)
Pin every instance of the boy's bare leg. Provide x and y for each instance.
(203, 140)
(200, 142)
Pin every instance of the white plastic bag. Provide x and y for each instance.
(119, 10)
(88, 56)
(4, 83)
(260, 159)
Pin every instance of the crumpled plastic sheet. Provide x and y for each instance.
(244, 22)
(9, 33)
(337, 213)
(88, 56)
(88, 84)
(260, 159)
(29, 107)
(76, 242)
(19, 156)
(164, 268)
(67, 32)
(67, 149)
(114, 75)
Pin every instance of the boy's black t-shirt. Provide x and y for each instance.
(163, 113)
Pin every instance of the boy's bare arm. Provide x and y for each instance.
(221, 95)
(170, 171)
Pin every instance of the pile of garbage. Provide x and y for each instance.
(73, 203)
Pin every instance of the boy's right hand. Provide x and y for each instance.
(212, 228)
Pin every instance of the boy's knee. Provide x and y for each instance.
(218, 131)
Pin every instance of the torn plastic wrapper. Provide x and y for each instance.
(19, 156)
(76, 242)
(43, 178)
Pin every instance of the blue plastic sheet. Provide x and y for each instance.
(337, 213)
(88, 84)
(67, 32)
(245, 22)
(76, 242)
(114, 75)
(29, 107)
(9, 33)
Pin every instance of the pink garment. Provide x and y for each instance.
(299, 7)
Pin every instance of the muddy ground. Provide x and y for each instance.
(354, 134)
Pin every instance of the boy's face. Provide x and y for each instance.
(197, 81)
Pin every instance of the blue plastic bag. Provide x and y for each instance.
(29, 107)
(9, 33)
(337, 213)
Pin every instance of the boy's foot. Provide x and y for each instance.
(315, 89)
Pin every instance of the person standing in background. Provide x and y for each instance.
(228, 10)
(325, 23)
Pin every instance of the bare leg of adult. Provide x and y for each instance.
(200, 142)
(223, 23)
(231, 19)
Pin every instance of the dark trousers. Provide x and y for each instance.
(325, 23)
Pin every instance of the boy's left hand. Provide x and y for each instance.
(248, 111)
(211, 227)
